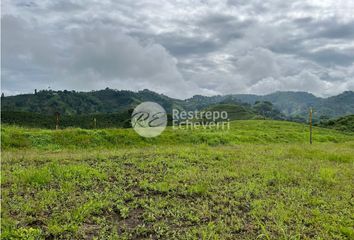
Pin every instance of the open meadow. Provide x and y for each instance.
(258, 180)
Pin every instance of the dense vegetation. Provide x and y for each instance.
(28, 119)
(345, 123)
(76, 103)
(260, 110)
(259, 180)
(293, 105)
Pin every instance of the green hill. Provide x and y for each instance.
(260, 110)
(337, 106)
(235, 111)
(77, 103)
(290, 103)
(294, 105)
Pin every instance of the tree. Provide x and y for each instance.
(264, 108)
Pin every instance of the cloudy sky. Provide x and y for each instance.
(179, 48)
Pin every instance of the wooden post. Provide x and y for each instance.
(57, 120)
(310, 122)
(94, 123)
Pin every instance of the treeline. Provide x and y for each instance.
(28, 119)
(294, 105)
(105, 101)
(236, 111)
(345, 123)
(89, 121)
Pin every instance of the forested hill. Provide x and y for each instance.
(297, 104)
(77, 103)
(291, 104)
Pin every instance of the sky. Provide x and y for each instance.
(178, 48)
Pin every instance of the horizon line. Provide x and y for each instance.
(183, 99)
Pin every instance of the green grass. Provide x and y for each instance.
(259, 180)
(241, 132)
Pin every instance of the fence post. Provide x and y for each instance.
(57, 120)
(310, 122)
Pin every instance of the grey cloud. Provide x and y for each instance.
(180, 49)
(66, 6)
(331, 28)
(181, 45)
(87, 56)
(27, 4)
(257, 65)
(224, 27)
(337, 31)
(330, 57)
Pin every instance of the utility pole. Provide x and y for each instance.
(310, 122)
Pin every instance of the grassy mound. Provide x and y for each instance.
(240, 132)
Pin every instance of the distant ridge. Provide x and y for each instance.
(291, 104)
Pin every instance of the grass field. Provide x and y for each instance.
(259, 180)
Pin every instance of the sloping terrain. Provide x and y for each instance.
(259, 180)
(240, 132)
